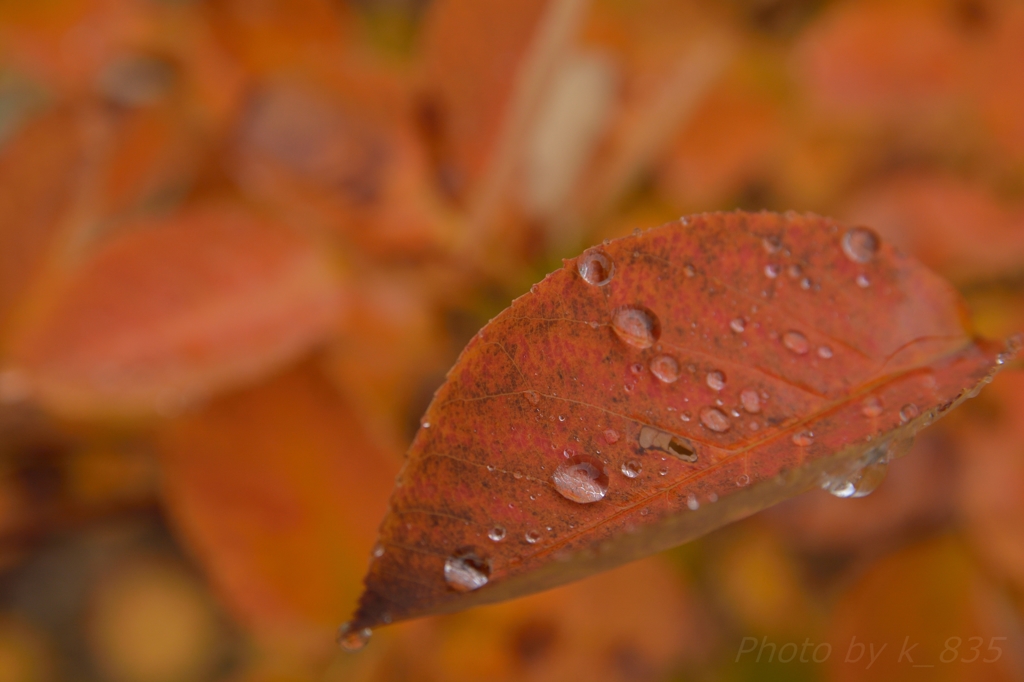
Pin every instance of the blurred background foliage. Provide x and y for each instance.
(241, 241)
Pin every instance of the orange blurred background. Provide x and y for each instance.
(241, 241)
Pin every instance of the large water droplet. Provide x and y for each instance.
(631, 469)
(716, 380)
(872, 406)
(714, 419)
(803, 438)
(581, 479)
(665, 368)
(860, 244)
(465, 571)
(750, 400)
(909, 412)
(351, 639)
(796, 342)
(595, 267)
(497, 533)
(636, 327)
(865, 475)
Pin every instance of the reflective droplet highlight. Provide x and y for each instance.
(796, 342)
(636, 327)
(351, 639)
(863, 282)
(631, 469)
(860, 244)
(497, 534)
(465, 571)
(824, 352)
(871, 407)
(716, 380)
(738, 325)
(581, 479)
(771, 271)
(595, 267)
(532, 536)
(909, 412)
(665, 368)
(750, 400)
(714, 419)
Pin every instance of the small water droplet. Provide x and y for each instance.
(909, 412)
(794, 271)
(350, 639)
(805, 284)
(753, 426)
(465, 571)
(871, 407)
(742, 481)
(532, 396)
(796, 342)
(688, 270)
(692, 503)
(595, 267)
(771, 271)
(517, 475)
(631, 469)
(497, 534)
(771, 244)
(561, 417)
(532, 536)
(378, 551)
(636, 327)
(665, 368)
(425, 425)
(863, 282)
(860, 244)
(714, 419)
(581, 479)
(611, 435)
(685, 416)
(803, 438)
(750, 400)
(716, 380)
(824, 352)
(738, 325)
(663, 471)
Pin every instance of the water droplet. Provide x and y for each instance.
(796, 342)
(581, 479)
(742, 481)
(714, 419)
(378, 551)
(805, 283)
(738, 325)
(688, 270)
(532, 396)
(636, 327)
(753, 425)
(860, 244)
(496, 534)
(771, 271)
(871, 407)
(636, 368)
(611, 435)
(665, 368)
(692, 503)
(686, 416)
(517, 475)
(909, 412)
(465, 571)
(595, 267)
(561, 417)
(716, 380)
(794, 271)
(750, 400)
(631, 469)
(863, 282)
(425, 425)
(350, 639)
(824, 352)
(803, 438)
(771, 244)
(532, 536)
(663, 471)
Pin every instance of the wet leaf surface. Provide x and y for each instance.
(553, 429)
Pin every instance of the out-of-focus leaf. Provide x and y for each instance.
(935, 615)
(661, 386)
(174, 310)
(277, 490)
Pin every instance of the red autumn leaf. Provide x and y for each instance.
(661, 386)
(172, 310)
